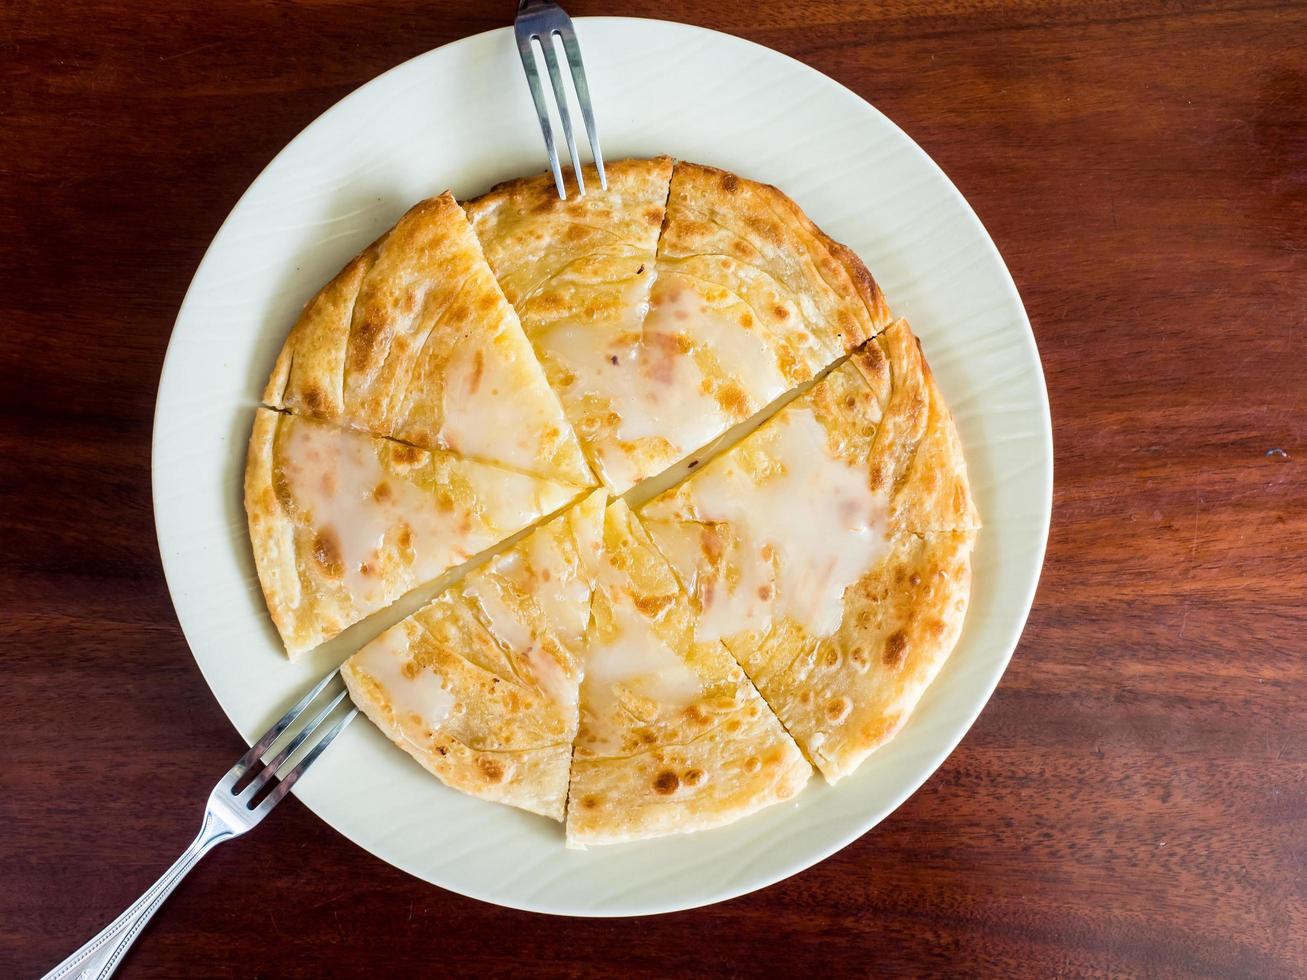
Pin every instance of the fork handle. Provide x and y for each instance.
(101, 956)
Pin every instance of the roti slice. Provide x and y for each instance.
(830, 550)
(842, 694)
(480, 686)
(658, 343)
(751, 255)
(343, 523)
(414, 340)
(847, 694)
(579, 274)
(916, 455)
(672, 738)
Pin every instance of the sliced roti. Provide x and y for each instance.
(673, 738)
(830, 550)
(658, 345)
(343, 523)
(414, 340)
(480, 686)
(845, 695)
(757, 263)
(579, 273)
(916, 456)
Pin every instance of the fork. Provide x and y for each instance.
(540, 21)
(241, 799)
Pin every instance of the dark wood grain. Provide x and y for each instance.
(1134, 798)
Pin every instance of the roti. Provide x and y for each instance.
(673, 306)
(830, 550)
(673, 737)
(851, 692)
(414, 340)
(480, 686)
(342, 523)
(473, 374)
(915, 456)
(579, 273)
(755, 261)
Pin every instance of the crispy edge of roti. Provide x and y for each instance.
(859, 306)
(917, 455)
(533, 779)
(318, 343)
(653, 791)
(301, 625)
(844, 696)
(334, 343)
(529, 207)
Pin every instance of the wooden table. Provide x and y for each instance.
(1134, 798)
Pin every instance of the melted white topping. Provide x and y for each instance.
(647, 369)
(745, 603)
(741, 353)
(652, 386)
(336, 478)
(412, 692)
(638, 661)
(680, 542)
(487, 415)
(565, 596)
(804, 535)
(507, 626)
(554, 681)
(510, 500)
(547, 569)
(517, 638)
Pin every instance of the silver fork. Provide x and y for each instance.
(241, 799)
(540, 21)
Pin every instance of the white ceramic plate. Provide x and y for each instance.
(460, 117)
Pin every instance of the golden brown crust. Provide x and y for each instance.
(318, 342)
(449, 333)
(414, 340)
(273, 539)
(681, 293)
(649, 762)
(748, 227)
(841, 686)
(309, 484)
(524, 776)
(916, 456)
(844, 696)
(501, 723)
(579, 274)
(882, 413)
(531, 238)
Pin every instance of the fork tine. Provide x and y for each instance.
(560, 97)
(270, 770)
(255, 753)
(280, 790)
(542, 112)
(573, 50)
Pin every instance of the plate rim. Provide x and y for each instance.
(1041, 525)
